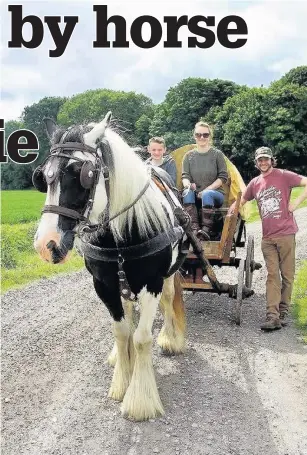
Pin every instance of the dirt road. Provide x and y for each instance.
(235, 391)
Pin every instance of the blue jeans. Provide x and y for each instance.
(211, 198)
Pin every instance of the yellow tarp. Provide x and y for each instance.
(232, 188)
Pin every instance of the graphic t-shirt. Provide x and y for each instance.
(272, 193)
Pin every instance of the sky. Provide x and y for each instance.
(276, 42)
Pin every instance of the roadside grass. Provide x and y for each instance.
(21, 206)
(299, 298)
(20, 264)
(254, 213)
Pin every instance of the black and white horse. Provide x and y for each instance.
(98, 188)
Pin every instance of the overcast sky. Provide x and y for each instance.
(276, 42)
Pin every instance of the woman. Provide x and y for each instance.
(204, 171)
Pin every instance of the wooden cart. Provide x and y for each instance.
(197, 274)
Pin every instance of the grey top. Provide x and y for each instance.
(204, 168)
(169, 166)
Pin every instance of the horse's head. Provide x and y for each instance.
(75, 186)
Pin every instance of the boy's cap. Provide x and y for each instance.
(264, 152)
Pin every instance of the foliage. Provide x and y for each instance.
(178, 139)
(285, 125)
(188, 101)
(239, 127)
(296, 76)
(16, 176)
(142, 126)
(275, 117)
(92, 106)
(33, 119)
(242, 118)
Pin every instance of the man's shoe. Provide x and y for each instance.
(271, 324)
(283, 317)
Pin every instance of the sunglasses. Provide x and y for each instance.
(200, 135)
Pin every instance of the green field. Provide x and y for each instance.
(21, 206)
(20, 264)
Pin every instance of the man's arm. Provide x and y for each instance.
(294, 205)
(232, 207)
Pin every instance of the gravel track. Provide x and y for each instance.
(235, 391)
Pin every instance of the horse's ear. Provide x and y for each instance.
(50, 125)
(108, 118)
(98, 131)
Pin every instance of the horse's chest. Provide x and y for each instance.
(148, 271)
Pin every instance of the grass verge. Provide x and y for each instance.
(20, 264)
(299, 299)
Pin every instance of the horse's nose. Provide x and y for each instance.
(56, 254)
(47, 246)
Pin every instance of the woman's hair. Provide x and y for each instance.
(158, 140)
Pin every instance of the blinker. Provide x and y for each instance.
(38, 180)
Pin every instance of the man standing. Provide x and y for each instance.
(272, 190)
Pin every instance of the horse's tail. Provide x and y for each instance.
(178, 304)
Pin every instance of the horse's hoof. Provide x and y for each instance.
(166, 353)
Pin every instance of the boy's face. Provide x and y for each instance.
(156, 150)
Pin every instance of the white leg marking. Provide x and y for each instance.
(142, 399)
(123, 354)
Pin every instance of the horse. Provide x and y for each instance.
(102, 199)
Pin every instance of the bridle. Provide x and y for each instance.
(89, 177)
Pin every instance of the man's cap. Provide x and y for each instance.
(263, 152)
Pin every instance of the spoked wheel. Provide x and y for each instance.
(249, 263)
(239, 299)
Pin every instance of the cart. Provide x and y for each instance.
(197, 274)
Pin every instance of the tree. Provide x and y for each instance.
(92, 106)
(33, 116)
(239, 127)
(178, 139)
(296, 76)
(14, 176)
(189, 100)
(142, 126)
(275, 117)
(286, 125)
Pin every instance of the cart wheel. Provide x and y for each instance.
(249, 263)
(239, 299)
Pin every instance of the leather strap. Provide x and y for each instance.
(139, 251)
(63, 211)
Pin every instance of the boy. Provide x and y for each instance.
(156, 148)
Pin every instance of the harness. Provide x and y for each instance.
(89, 177)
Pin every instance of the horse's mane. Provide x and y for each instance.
(128, 176)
